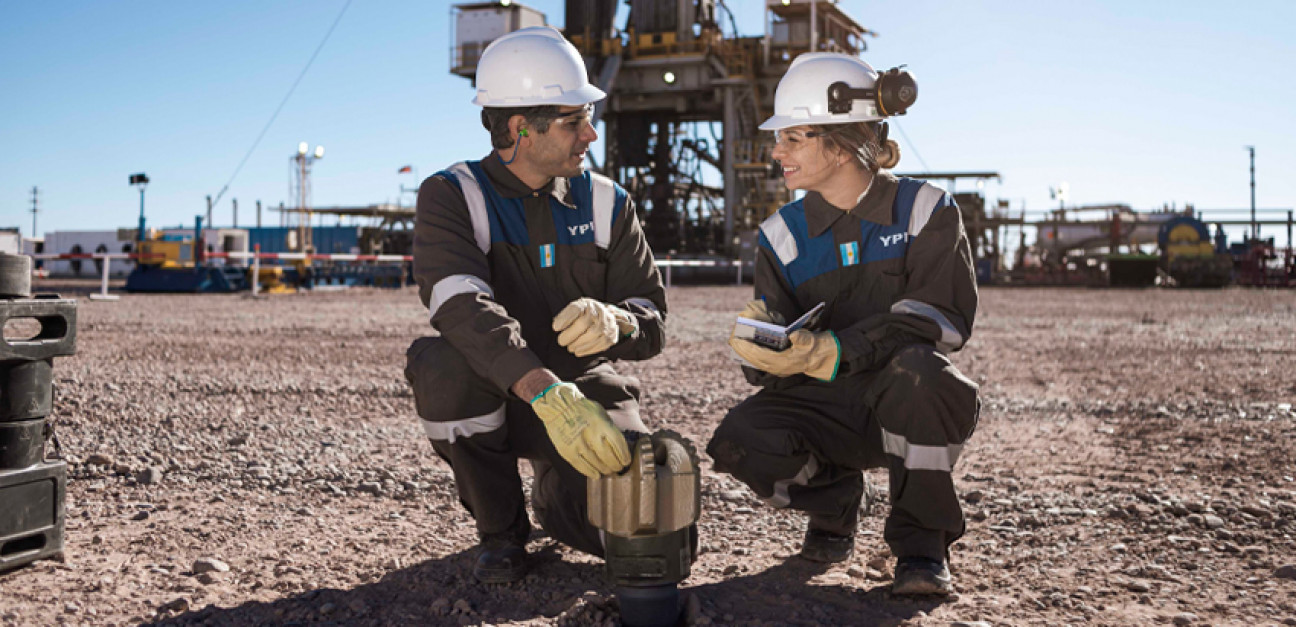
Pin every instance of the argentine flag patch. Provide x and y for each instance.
(849, 253)
(547, 256)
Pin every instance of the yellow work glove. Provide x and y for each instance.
(586, 326)
(815, 354)
(581, 430)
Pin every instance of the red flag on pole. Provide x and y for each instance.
(405, 170)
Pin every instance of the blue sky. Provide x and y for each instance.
(1130, 101)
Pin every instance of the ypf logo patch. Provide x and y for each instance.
(896, 238)
(547, 256)
(849, 253)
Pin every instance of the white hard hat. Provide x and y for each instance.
(802, 94)
(533, 66)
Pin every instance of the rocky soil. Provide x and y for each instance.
(240, 461)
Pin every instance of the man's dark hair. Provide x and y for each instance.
(496, 119)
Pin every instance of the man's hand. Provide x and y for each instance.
(586, 326)
(815, 354)
(581, 431)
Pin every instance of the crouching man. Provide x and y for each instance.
(537, 276)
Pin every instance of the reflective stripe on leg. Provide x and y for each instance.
(450, 430)
(780, 498)
(921, 456)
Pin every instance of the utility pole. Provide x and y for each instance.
(1255, 228)
(258, 214)
(304, 159)
(35, 209)
(209, 206)
(234, 201)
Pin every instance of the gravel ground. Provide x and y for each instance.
(240, 461)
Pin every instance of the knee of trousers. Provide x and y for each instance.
(452, 400)
(921, 390)
(742, 448)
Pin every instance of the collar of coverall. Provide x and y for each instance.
(510, 186)
(874, 207)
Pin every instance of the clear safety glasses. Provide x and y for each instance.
(792, 138)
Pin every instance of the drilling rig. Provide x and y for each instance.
(686, 92)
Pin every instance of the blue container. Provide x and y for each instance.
(328, 240)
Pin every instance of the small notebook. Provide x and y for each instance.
(772, 335)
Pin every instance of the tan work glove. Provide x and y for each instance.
(586, 326)
(756, 310)
(815, 354)
(581, 431)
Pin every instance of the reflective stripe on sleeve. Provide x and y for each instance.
(925, 202)
(780, 498)
(950, 338)
(476, 204)
(468, 427)
(645, 303)
(780, 238)
(454, 285)
(604, 199)
(919, 456)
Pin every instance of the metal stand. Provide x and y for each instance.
(32, 489)
(103, 285)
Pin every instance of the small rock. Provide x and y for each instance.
(1138, 586)
(209, 564)
(207, 578)
(96, 539)
(140, 515)
(1212, 521)
(149, 476)
(1186, 618)
(71, 608)
(440, 606)
(878, 563)
(733, 496)
(180, 604)
(99, 459)
(1286, 571)
(969, 623)
(462, 606)
(327, 608)
(855, 571)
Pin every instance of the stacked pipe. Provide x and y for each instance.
(32, 489)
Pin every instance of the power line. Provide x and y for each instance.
(911, 145)
(283, 102)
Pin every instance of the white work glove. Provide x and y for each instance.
(586, 326)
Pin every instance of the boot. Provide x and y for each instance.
(922, 575)
(503, 556)
(826, 547)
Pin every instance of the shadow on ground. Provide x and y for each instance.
(788, 594)
(435, 592)
(442, 592)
